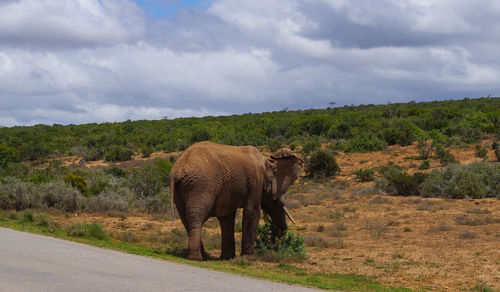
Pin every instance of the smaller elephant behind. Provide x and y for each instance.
(213, 180)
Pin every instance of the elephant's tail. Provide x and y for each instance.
(172, 191)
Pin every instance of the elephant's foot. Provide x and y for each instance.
(195, 256)
(227, 256)
(250, 257)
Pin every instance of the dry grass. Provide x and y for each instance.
(425, 244)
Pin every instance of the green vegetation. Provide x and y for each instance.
(351, 128)
(288, 248)
(322, 164)
(364, 175)
(476, 180)
(91, 190)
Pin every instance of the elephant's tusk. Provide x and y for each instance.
(288, 214)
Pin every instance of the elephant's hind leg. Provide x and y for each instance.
(195, 246)
(197, 212)
(227, 230)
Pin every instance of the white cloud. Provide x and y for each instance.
(69, 22)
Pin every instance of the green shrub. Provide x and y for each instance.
(274, 145)
(36, 150)
(399, 183)
(115, 171)
(110, 201)
(497, 150)
(27, 217)
(200, 134)
(19, 195)
(78, 182)
(146, 151)
(424, 148)
(8, 155)
(310, 146)
(145, 182)
(364, 175)
(288, 247)
(445, 156)
(118, 153)
(159, 203)
(365, 143)
(476, 180)
(322, 165)
(88, 230)
(471, 135)
(425, 165)
(61, 196)
(481, 152)
(92, 154)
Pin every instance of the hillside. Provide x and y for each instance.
(350, 128)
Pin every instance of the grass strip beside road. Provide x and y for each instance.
(282, 272)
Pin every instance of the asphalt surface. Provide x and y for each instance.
(30, 262)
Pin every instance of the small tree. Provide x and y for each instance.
(322, 165)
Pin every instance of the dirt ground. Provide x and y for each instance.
(425, 243)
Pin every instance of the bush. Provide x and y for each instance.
(274, 145)
(481, 152)
(398, 183)
(118, 153)
(8, 155)
(159, 203)
(288, 247)
(322, 165)
(19, 195)
(364, 175)
(59, 195)
(496, 147)
(92, 230)
(310, 146)
(365, 143)
(445, 156)
(109, 201)
(476, 180)
(145, 182)
(115, 171)
(78, 182)
(424, 148)
(146, 151)
(92, 154)
(425, 165)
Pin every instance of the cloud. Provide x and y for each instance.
(105, 60)
(57, 23)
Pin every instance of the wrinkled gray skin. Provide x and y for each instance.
(213, 180)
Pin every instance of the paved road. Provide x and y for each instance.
(30, 262)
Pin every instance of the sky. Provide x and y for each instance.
(94, 61)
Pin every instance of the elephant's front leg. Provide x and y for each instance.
(227, 230)
(251, 218)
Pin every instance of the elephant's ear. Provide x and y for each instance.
(271, 184)
(282, 153)
(285, 153)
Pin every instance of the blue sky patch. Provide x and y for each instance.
(164, 8)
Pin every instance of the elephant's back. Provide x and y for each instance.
(207, 159)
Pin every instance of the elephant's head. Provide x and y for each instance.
(282, 169)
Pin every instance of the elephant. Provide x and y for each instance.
(214, 180)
